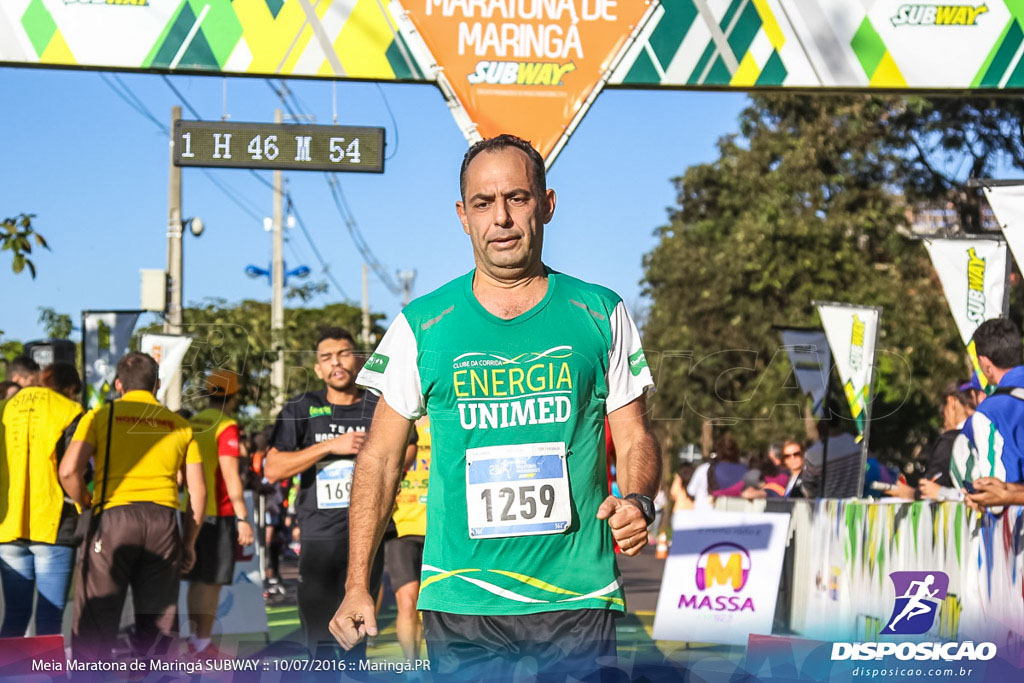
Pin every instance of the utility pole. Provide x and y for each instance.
(366, 308)
(277, 280)
(406, 278)
(172, 316)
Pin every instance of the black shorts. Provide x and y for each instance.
(215, 552)
(555, 645)
(323, 570)
(403, 560)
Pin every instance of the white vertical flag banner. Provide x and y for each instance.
(811, 360)
(973, 277)
(168, 350)
(852, 332)
(106, 337)
(1007, 204)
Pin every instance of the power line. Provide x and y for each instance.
(295, 97)
(394, 122)
(231, 195)
(357, 236)
(128, 100)
(284, 92)
(132, 100)
(181, 97)
(140, 107)
(282, 95)
(347, 217)
(316, 252)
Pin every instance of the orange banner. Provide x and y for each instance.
(525, 66)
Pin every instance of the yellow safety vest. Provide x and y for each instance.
(31, 498)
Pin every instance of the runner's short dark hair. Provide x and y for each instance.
(685, 473)
(500, 142)
(22, 365)
(998, 340)
(61, 377)
(961, 392)
(138, 372)
(334, 333)
(726, 449)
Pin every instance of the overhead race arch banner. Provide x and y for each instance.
(533, 67)
(973, 273)
(499, 55)
(829, 44)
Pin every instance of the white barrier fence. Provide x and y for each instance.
(836, 583)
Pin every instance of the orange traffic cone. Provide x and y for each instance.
(662, 550)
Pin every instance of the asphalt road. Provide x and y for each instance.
(641, 577)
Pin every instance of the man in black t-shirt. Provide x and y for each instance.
(317, 436)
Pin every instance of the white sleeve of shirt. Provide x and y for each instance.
(628, 375)
(959, 460)
(698, 486)
(392, 372)
(987, 449)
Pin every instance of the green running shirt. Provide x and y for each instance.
(517, 413)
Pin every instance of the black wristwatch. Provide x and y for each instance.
(646, 506)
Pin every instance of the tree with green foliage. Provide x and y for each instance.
(237, 337)
(55, 325)
(17, 236)
(942, 142)
(807, 203)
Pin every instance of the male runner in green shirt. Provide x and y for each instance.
(517, 366)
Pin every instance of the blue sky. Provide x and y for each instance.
(94, 171)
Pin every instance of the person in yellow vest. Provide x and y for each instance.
(403, 556)
(36, 522)
(138, 447)
(227, 522)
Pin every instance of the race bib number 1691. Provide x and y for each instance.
(517, 490)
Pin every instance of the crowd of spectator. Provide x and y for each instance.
(91, 498)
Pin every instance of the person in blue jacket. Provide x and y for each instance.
(995, 432)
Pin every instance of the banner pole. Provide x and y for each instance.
(1006, 283)
(85, 384)
(868, 405)
(824, 441)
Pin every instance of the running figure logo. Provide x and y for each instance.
(918, 596)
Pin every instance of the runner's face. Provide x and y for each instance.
(503, 214)
(336, 363)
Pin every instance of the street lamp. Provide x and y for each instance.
(254, 272)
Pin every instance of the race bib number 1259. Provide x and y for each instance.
(517, 490)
